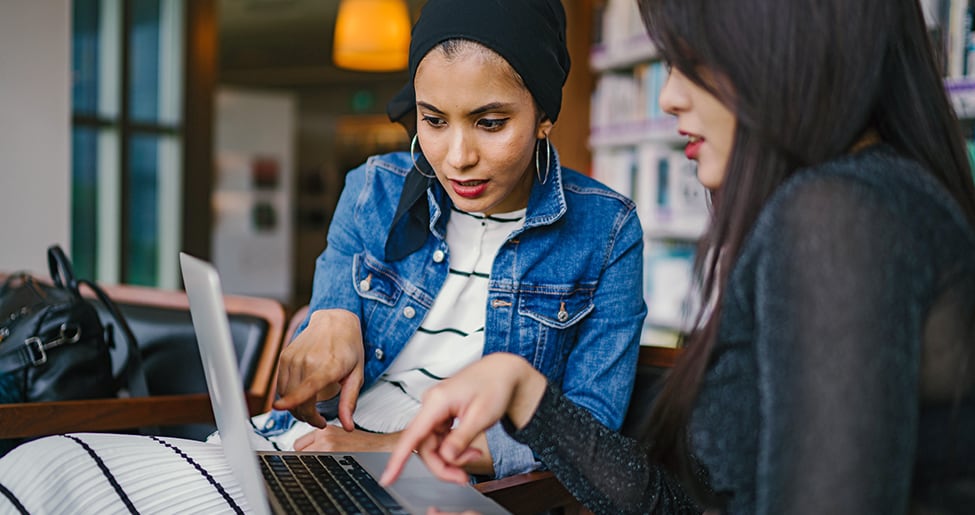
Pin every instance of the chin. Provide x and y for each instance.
(710, 179)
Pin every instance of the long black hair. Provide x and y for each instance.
(806, 80)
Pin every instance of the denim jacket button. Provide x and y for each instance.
(364, 285)
(438, 256)
(409, 312)
(379, 354)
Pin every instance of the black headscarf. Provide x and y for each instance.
(528, 34)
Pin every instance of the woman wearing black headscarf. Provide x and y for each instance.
(476, 241)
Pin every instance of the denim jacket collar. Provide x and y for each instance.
(408, 231)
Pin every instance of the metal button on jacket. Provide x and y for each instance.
(563, 314)
(379, 354)
(438, 256)
(409, 312)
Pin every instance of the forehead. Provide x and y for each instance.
(468, 77)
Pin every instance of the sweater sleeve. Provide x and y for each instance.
(605, 471)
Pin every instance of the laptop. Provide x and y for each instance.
(267, 477)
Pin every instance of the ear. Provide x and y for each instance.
(544, 128)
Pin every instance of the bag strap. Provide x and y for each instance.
(61, 271)
(12, 278)
(135, 373)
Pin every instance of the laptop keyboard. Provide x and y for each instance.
(316, 483)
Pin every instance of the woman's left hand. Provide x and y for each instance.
(336, 439)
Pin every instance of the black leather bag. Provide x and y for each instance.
(53, 344)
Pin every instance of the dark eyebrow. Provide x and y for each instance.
(428, 106)
(493, 106)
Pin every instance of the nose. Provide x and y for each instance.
(673, 96)
(462, 152)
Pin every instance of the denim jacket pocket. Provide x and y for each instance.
(556, 307)
(374, 281)
(549, 320)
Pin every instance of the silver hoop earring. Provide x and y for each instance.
(413, 157)
(548, 160)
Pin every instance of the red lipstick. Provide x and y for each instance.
(693, 147)
(469, 189)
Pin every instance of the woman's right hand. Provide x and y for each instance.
(476, 397)
(327, 357)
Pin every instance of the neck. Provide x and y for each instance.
(868, 138)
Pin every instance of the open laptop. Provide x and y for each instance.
(257, 472)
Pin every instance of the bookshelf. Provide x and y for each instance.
(636, 149)
(951, 25)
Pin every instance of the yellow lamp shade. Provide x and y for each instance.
(372, 35)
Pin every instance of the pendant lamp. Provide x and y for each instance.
(372, 35)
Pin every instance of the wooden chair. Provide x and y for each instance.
(178, 403)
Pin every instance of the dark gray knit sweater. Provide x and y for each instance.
(846, 341)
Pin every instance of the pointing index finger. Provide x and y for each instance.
(421, 428)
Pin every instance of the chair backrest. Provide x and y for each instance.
(652, 365)
(163, 328)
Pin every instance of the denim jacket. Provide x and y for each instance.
(565, 291)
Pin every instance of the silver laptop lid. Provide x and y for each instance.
(223, 381)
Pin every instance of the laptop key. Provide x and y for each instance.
(348, 493)
(369, 484)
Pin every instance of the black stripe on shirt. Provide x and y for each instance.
(399, 385)
(429, 374)
(444, 330)
(108, 474)
(13, 499)
(488, 217)
(469, 274)
(210, 479)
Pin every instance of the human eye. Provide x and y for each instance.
(492, 124)
(434, 121)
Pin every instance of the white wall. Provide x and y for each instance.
(35, 66)
(254, 258)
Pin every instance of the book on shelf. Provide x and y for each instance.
(667, 280)
(628, 100)
(621, 33)
(952, 30)
(671, 201)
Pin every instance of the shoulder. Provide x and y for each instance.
(586, 189)
(372, 192)
(381, 177)
(874, 182)
(872, 193)
(383, 169)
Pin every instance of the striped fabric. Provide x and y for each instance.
(452, 334)
(109, 473)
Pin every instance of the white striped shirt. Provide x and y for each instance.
(452, 334)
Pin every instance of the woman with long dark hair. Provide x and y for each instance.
(477, 240)
(832, 366)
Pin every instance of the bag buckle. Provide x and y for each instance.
(37, 350)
